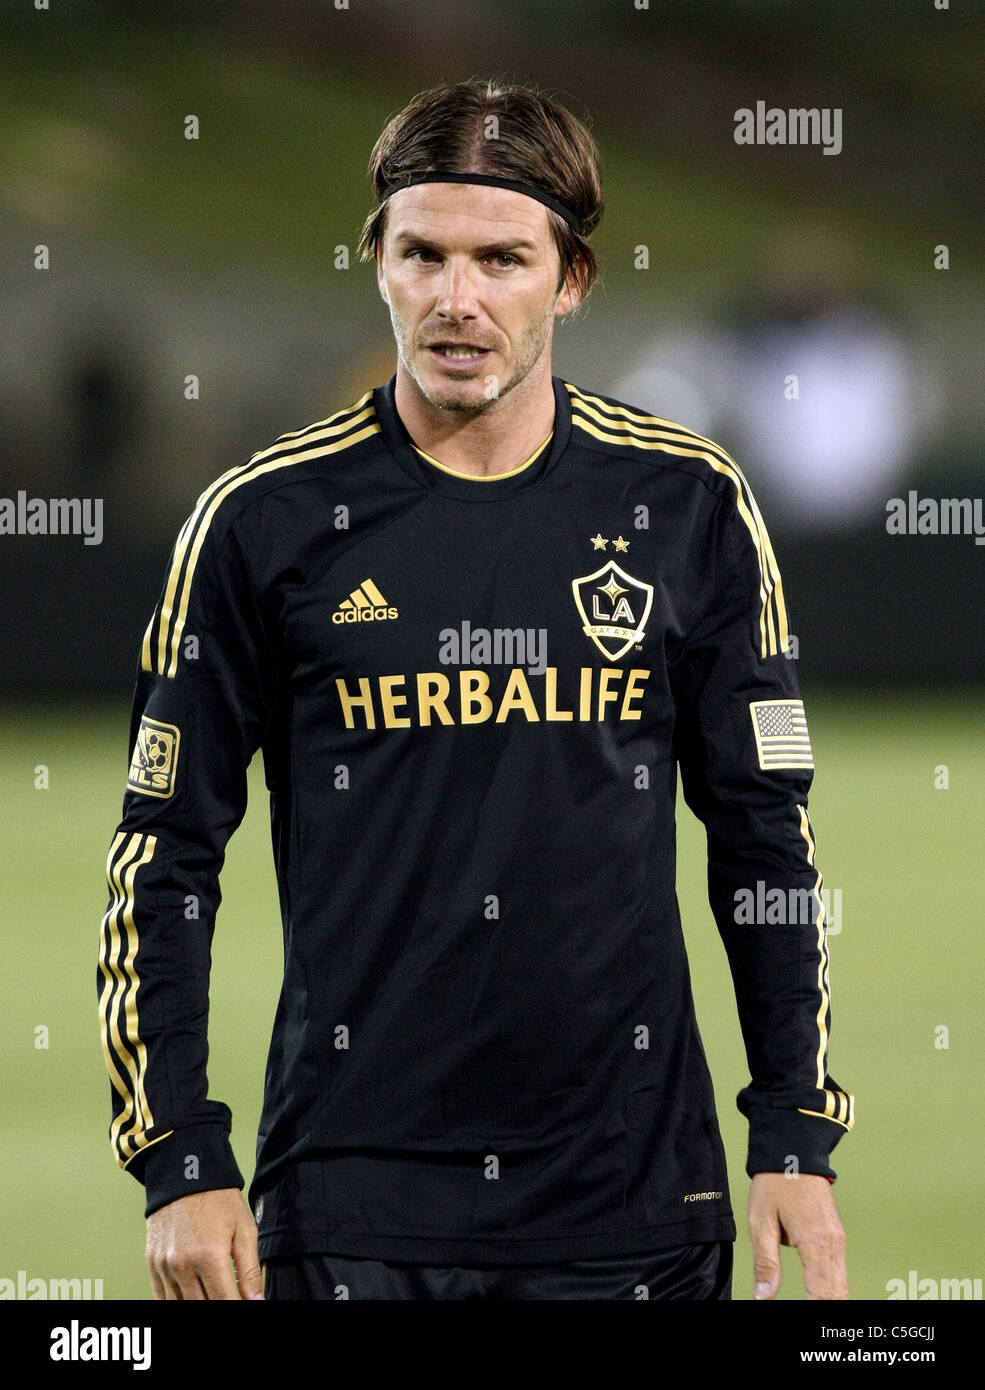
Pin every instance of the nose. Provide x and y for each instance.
(456, 296)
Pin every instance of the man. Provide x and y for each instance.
(474, 621)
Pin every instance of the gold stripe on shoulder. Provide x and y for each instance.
(174, 605)
(206, 518)
(328, 428)
(621, 412)
(639, 421)
(635, 429)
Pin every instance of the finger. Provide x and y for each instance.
(165, 1284)
(216, 1274)
(766, 1280)
(182, 1277)
(766, 1269)
(248, 1273)
(157, 1284)
(190, 1287)
(825, 1273)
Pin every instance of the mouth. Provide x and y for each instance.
(458, 355)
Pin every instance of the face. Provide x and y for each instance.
(470, 273)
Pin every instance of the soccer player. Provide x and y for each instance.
(475, 621)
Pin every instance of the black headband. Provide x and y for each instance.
(433, 176)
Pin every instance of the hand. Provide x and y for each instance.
(797, 1211)
(190, 1243)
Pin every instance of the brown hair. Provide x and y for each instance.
(536, 142)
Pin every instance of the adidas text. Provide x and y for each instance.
(363, 615)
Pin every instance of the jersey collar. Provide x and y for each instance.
(451, 484)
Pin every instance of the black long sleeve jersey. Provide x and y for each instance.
(472, 696)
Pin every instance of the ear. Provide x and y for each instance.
(379, 272)
(569, 295)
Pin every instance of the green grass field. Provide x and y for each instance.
(908, 959)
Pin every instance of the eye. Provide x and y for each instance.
(423, 251)
(502, 256)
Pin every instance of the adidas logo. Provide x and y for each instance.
(364, 605)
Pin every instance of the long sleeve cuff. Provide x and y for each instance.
(790, 1141)
(198, 1158)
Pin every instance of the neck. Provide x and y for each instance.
(495, 440)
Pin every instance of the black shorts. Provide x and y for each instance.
(681, 1272)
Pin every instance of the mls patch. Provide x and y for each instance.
(781, 733)
(613, 607)
(155, 756)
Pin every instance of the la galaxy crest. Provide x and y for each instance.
(614, 608)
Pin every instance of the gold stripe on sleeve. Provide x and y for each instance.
(123, 1046)
(807, 832)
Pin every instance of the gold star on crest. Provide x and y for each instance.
(598, 542)
(612, 588)
(620, 544)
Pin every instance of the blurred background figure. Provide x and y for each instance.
(806, 378)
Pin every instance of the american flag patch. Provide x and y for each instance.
(781, 733)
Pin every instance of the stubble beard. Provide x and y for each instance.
(464, 402)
